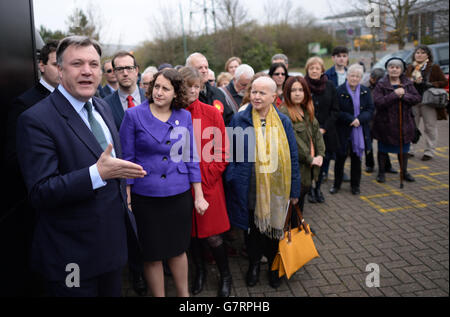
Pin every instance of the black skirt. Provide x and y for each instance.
(164, 224)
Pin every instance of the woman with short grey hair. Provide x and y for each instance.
(355, 68)
(356, 110)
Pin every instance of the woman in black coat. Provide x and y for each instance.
(353, 129)
(326, 111)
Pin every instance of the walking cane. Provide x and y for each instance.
(401, 142)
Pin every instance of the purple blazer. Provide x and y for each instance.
(166, 151)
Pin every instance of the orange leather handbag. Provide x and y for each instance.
(296, 248)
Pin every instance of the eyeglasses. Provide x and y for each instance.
(109, 71)
(279, 74)
(122, 69)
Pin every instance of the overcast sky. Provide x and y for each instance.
(129, 22)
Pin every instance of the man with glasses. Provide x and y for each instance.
(129, 94)
(111, 81)
(236, 89)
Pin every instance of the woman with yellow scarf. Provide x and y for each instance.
(262, 177)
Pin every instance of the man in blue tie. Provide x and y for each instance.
(69, 153)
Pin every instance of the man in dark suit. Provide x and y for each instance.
(209, 94)
(17, 193)
(129, 94)
(111, 81)
(68, 150)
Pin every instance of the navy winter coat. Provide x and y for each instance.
(239, 171)
(347, 116)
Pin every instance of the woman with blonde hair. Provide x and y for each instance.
(326, 111)
(224, 79)
(231, 64)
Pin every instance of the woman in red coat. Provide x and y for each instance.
(209, 131)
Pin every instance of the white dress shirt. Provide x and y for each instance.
(136, 98)
(46, 85)
(78, 105)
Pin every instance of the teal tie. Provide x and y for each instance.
(96, 127)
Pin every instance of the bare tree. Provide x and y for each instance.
(86, 22)
(394, 15)
(232, 15)
(278, 12)
(398, 10)
(164, 23)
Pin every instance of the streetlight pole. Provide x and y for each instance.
(182, 30)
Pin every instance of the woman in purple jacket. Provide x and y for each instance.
(159, 135)
(392, 93)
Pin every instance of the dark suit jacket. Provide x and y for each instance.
(116, 106)
(76, 224)
(107, 91)
(19, 105)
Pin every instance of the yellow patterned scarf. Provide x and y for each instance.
(273, 174)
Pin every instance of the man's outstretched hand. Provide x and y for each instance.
(110, 167)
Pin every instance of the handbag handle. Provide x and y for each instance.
(288, 222)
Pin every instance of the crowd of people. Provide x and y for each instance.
(151, 169)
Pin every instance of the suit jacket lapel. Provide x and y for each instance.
(118, 106)
(111, 125)
(42, 90)
(75, 122)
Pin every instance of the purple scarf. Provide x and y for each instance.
(357, 133)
